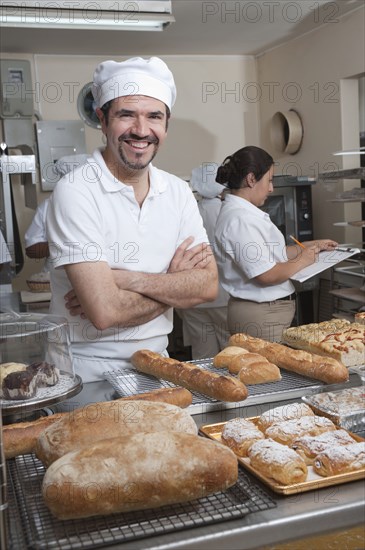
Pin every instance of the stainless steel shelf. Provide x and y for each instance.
(350, 173)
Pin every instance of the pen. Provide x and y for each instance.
(296, 241)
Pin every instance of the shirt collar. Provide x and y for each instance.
(243, 203)
(113, 185)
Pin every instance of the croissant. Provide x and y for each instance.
(239, 434)
(285, 412)
(339, 460)
(308, 447)
(278, 462)
(286, 432)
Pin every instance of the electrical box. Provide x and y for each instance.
(56, 139)
(16, 89)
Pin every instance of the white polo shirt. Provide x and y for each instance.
(94, 217)
(248, 244)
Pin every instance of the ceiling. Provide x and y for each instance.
(201, 28)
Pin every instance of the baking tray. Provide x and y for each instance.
(40, 530)
(128, 382)
(65, 388)
(348, 419)
(313, 482)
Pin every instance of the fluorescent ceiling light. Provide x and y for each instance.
(74, 19)
(358, 151)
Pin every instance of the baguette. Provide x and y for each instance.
(322, 368)
(181, 397)
(137, 472)
(109, 419)
(223, 388)
(21, 438)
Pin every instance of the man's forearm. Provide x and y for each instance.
(181, 289)
(107, 305)
(138, 309)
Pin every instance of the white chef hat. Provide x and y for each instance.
(136, 76)
(203, 180)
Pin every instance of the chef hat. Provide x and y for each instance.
(136, 76)
(70, 162)
(203, 180)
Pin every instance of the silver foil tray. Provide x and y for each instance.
(128, 382)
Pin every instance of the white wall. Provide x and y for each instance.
(226, 102)
(310, 74)
(207, 123)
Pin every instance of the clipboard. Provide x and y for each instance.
(326, 260)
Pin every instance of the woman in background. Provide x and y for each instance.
(254, 263)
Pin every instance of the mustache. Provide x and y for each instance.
(130, 136)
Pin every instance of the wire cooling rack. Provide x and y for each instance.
(38, 529)
(128, 382)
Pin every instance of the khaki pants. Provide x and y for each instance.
(265, 320)
(205, 330)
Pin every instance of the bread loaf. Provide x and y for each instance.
(284, 412)
(278, 462)
(223, 359)
(288, 431)
(141, 471)
(181, 397)
(254, 370)
(340, 460)
(308, 447)
(319, 367)
(223, 388)
(239, 434)
(106, 420)
(20, 438)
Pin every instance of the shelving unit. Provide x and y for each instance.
(347, 282)
(347, 288)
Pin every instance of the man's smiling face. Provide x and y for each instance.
(135, 129)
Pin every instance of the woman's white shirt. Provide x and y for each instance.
(247, 245)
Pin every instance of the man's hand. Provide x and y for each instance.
(73, 304)
(197, 257)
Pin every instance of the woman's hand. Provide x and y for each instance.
(322, 244)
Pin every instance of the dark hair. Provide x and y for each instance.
(236, 167)
(106, 108)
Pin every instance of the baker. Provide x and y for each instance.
(255, 265)
(126, 239)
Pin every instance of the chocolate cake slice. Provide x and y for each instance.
(23, 382)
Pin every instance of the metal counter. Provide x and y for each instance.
(296, 516)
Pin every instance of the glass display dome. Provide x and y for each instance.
(36, 365)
